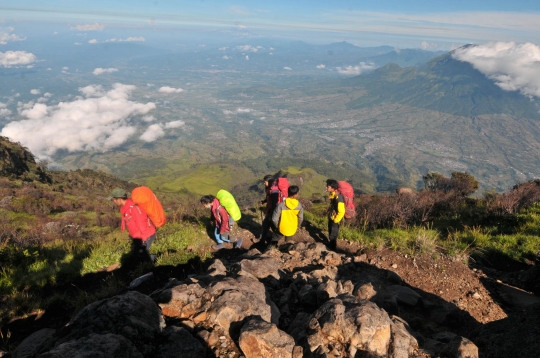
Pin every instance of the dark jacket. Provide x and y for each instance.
(336, 211)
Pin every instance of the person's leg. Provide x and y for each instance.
(333, 234)
(147, 245)
(220, 238)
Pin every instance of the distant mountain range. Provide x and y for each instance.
(442, 84)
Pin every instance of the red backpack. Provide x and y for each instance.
(280, 185)
(145, 198)
(347, 191)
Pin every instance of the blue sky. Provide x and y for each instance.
(413, 23)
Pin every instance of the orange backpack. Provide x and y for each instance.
(145, 198)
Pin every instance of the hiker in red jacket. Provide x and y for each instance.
(140, 228)
(271, 201)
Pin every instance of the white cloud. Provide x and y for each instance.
(77, 44)
(174, 124)
(427, 45)
(49, 69)
(7, 36)
(321, 66)
(222, 48)
(152, 133)
(99, 121)
(247, 48)
(155, 131)
(150, 85)
(99, 71)
(16, 58)
(30, 66)
(238, 110)
(225, 57)
(148, 118)
(4, 111)
(65, 68)
(247, 57)
(129, 39)
(35, 91)
(287, 68)
(355, 70)
(47, 95)
(93, 41)
(89, 27)
(167, 89)
(513, 67)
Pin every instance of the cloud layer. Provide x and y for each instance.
(100, 120)
(513, 67)
(16, 58)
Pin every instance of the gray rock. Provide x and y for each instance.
(182, 301)
(261, 267)
(365, 291)
(259, 338)
(29, 346)
(460, 347)
(403, 344)
(217, 269)
(356, 323)
(236, 299)
(404, 294)
(95, 346)
(179, 343)
(132, 315)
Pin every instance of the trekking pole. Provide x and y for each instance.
(261, 215)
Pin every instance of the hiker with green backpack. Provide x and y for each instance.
(225, 212)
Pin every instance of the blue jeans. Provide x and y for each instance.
(225, 236)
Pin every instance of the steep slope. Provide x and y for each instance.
(17, 162)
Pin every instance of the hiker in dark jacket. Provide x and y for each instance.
(288, 215)
(222, 220)
(271, 201)
(140, 228)
(336, 211)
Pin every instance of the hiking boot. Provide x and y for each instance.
(218, 247)
(238, 244)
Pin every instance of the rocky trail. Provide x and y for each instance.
(298, 299)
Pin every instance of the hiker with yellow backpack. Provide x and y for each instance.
(225, 212)
(142, 214)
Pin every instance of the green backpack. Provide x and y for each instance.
(227, 201)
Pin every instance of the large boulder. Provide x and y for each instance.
(178, 342)
(134, 316)
(260, 267)
(347, 326)
(107, 345)
(236, 299)
(224, 302)
(183, 301)
(29, 346)
(260, 339)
